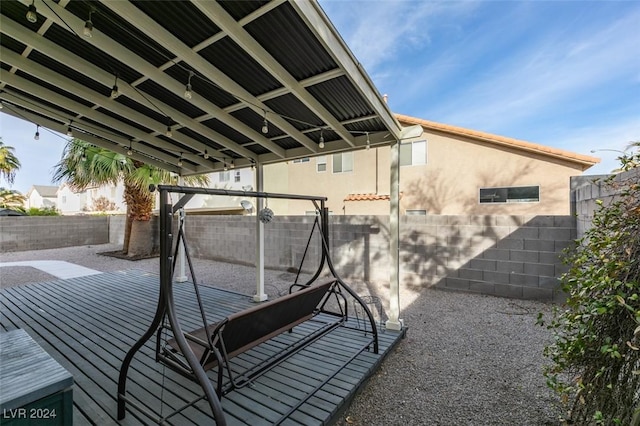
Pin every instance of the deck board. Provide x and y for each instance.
(88, 324)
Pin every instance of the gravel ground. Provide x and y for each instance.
(467, 359)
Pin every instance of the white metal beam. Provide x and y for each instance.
(260, 295)
(85, 111)
(104, 43)
(226, 23)
(54, 125)
(317, 21)
(394, 322)
(183, 52)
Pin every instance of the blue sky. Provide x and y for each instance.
(560, 73)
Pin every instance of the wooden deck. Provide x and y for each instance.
(87, 324)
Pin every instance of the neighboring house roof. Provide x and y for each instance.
(45, 191)
(584, 161)
(9, 212)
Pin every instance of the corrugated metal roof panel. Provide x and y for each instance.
(288, 143)
(127, 35)
(240, 9)
(255, 121)
(180, 18)
(197, 136)
(227, 131)
(297, 49)
(294, 111)
(69, 73)
(125, 120)
(53, 88)
(201, 86)
(228, 57)
(178, 102)
(90, 53)
(341, 98)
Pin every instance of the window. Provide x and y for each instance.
(301, 160)
(343, 162)
(514, 194)
(224, 176)
(236, 176)
(321, 163)
(413, 153)
(416, 212)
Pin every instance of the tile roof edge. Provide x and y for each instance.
(583, 160)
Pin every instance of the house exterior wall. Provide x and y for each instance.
(448, 184)
(37, 201)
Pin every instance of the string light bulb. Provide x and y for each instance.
(225, 167)
(265, 124)
(205, 155)
(321, 144)
(187, 92)
(129, 151)
(88, 26)
(32, 16)
(232, 164)
(69, 129)
(180, 160)
(168, 132)
(37, 135)
(114, 91)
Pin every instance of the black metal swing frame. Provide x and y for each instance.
(187, 363)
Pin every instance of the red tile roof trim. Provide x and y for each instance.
(368, 197)
(585, 161)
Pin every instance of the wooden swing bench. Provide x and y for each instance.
(215, 345)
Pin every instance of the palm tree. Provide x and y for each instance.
(12, 200)
(83, 165)
(9, 165)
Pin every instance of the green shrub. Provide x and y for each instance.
(596, 350)
(43, 211)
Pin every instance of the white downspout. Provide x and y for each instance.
(394, 322)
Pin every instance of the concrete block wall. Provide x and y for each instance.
(510, 256)
(45, 232)
(587, 190)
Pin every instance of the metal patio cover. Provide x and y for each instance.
(246, 61)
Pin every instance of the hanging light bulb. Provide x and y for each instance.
(114, 91)
(205, 155)
(37, 135)
(321, 144)
(187, 92)
(265, 124)
(130, 151)
(88, 26)
(232, 164)
(180, 160)
(168, 133)
(224, 160)
(32, 16)
(69, 129)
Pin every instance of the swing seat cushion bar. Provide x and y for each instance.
(243, 330)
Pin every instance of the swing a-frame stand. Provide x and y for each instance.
(213, 346)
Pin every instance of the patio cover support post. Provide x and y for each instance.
(394, 322)
(260, 295)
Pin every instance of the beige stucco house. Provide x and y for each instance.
(448, 170)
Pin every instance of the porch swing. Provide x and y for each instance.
(322, 303)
